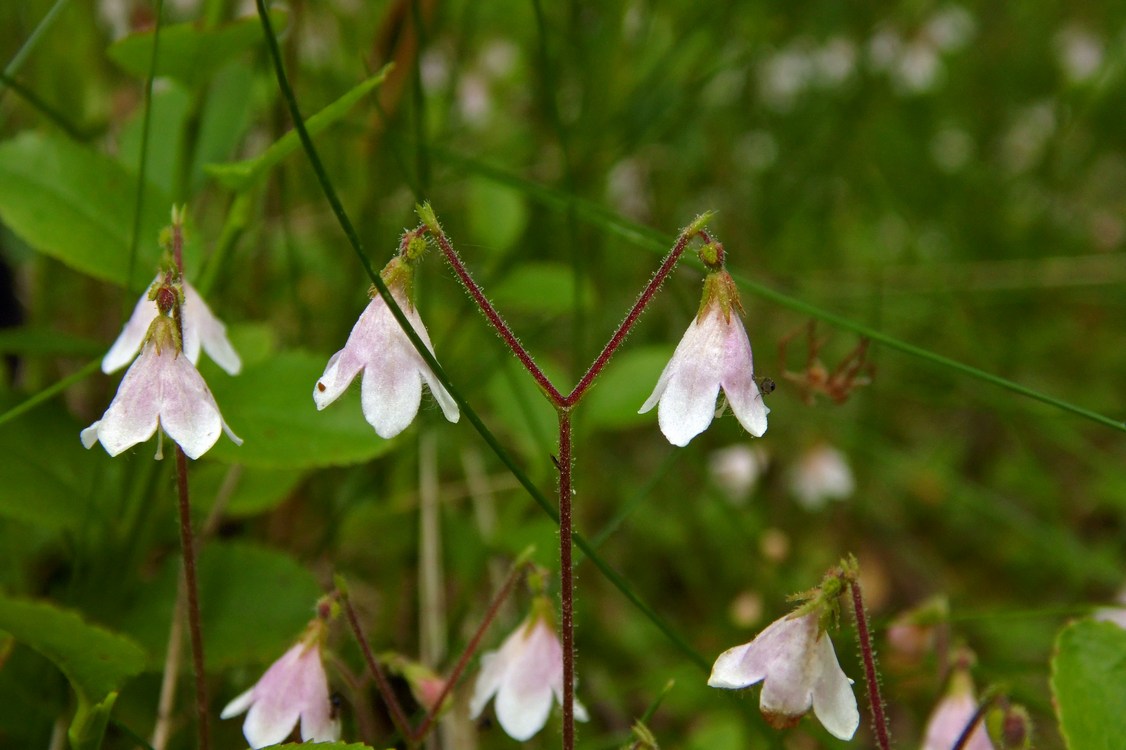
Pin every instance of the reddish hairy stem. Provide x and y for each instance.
(871, 677)
(639, 307)
(496, 320)
(397, 716)
(467, 654)
(566, 579)
(187, 547)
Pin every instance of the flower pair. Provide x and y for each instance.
(162, 390)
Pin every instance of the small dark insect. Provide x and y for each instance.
(766, 385)
(320, 386)
(852, 372)
(337, 704)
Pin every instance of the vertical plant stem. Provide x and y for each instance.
(871, 676)
(187, 547)
(398, 718)
(162, 730)
(471, 648)
(566, 579)
(431, 584)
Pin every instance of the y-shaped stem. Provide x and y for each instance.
(187, 547)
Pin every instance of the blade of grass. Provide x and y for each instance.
(146, 126)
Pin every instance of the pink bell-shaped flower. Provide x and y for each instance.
(293, 689)
(954, 713)
(795, 661)
(394, 372)
(714, 353)
(201, 330)
(524, 674)
(161, 390)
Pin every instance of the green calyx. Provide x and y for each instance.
(543, 609)
(711, 255)
(719, 290)
(164, 334)
(398, 275)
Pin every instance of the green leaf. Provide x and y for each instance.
(542, 288)
(240, 175)
(76, 205)
(325, 746)
(253, 491)
(498, 214)
(254, 602)
(623, 386)
(188, 52)
(270, 406)
(48, 342)
(1089, 684)
(47, 481)
(95, 661)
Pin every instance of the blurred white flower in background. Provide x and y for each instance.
(1079, 52)
(820, 475)
(736, 470)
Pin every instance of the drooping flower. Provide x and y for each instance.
(821, 474)
(161, 390)
(293, 689)
(953, 714)
(795, 661)
(201, 330)
(714, 353)
(393, 369)
(524, 674)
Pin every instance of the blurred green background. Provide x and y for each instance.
(950, 174)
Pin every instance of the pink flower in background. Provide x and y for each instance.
(524, 674)
(293, 689)
(953, 714)
(201, 330)
(161, 390)
(795, 661)
(393, 369)
(714, 353)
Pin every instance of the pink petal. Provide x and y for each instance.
(132, 416)
(238, 705)
(364, 340)
(687, 405)
(487, 684)
(738, 379)
(201, 327)
(132, 336)
(188, 412)
(392, 392)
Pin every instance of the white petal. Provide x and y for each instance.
(202, 327)
(730, 670)
(89, 436)
(188, 412)
(317, 723)
(833, 700)
(238, 705)
(792, 670)
(132, 416)
(441, 395)
(688, 403)
(362, 347)
(268, 723)
(391, 393)
(132, 335)
(659, 389)
(488, 681)
(739, 381)
(523, 707)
